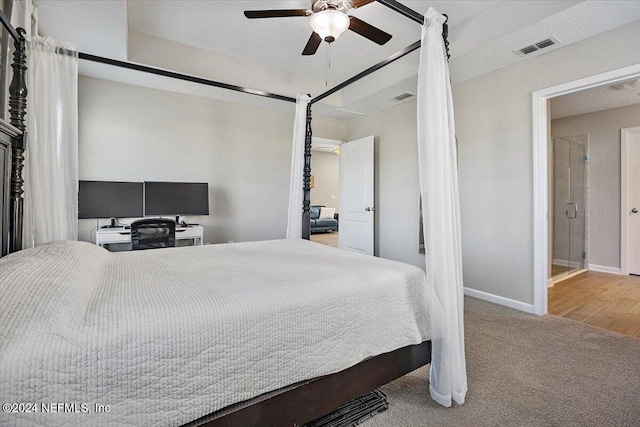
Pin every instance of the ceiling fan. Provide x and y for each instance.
(328, 21)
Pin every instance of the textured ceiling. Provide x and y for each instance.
(378, 101)
(214, 40)
(571, 25)
(221, 27)
(596, 99)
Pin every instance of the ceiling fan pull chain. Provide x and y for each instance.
(326, 66)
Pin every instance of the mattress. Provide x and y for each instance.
(164, 337)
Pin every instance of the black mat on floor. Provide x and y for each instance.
(354, 412)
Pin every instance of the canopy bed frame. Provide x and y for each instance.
(302, 402)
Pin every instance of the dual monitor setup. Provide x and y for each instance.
(108, 199)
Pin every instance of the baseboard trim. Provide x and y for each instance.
(565, 263)
(604, 269)
(557, 279)
(496, 299)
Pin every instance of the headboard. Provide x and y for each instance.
(9, 136)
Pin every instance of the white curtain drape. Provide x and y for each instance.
(25, 15)
(296, 191)
(441, 215)
(51, 156)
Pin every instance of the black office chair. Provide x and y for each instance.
(153, 233)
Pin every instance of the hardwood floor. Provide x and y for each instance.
(607, 301)
(329, 238)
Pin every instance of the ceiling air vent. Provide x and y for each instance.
(403, 96)
(342, 115)
(537, 46)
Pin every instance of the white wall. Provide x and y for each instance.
(130, 133)
(328, 129)
(397, 190)
(603, 128)
(325, 168)
(494, 129)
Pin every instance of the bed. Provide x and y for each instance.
(144, 333)
(169, 336)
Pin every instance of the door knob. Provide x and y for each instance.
(369, 209)
(634, 210)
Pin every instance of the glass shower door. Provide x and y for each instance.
(577, 206)
(569, 207)
(561, 179)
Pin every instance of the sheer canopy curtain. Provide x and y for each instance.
(441, 214)
(24, 15)
(296, 191)
(51, 155)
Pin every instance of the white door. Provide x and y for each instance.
(633, 199)
(356, 196)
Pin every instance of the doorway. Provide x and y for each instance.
(342, 194)
(325, 191)
(541, 133)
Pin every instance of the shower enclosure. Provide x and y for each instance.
(569, 206)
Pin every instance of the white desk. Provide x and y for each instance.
(106, 236)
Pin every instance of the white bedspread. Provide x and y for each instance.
(166, 336)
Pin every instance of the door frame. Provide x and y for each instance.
(541, 130)
(625, 133)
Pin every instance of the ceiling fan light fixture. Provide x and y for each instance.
(329, 24)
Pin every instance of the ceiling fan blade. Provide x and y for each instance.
(280, 13)
(369, 31)
(312, 44)
(359, 3)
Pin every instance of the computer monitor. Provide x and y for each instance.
(108, 199)
(176, 198)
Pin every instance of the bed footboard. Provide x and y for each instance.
(317, 397)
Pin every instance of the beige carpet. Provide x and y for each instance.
(526, 370)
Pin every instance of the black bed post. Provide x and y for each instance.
(445, 34)
(306, 201)
(17, 111)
